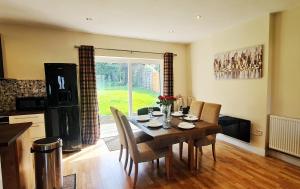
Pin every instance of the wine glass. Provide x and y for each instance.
(180, 109)
(150, 110)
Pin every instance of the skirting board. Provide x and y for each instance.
(242, 144)
(284, 157)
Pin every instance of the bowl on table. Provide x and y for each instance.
(177, 114)
(190, 118)
(157, 113)
(143, 118)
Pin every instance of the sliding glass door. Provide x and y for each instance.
(127, 83)
(146, 85)
(112, 87)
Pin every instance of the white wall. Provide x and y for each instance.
(27, 48)
(246, 99)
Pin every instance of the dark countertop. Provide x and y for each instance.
(10, 132)
(15, 112)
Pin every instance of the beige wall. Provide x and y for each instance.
(241, 98)
(286, 70)
(27, 48)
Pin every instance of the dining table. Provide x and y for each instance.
(170, 133)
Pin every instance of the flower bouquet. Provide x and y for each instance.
(166, 103)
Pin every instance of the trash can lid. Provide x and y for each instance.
(45, 144)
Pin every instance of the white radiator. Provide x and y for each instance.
(285, 135)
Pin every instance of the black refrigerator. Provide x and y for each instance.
(62, 114)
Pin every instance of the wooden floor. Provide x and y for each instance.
(97, 168)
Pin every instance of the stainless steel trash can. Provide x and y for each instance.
(48, 163)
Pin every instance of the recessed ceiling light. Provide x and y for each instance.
(89, 18)
(171, 31)
(198, 17)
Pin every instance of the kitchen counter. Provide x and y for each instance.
(16, 112)
(16, 159)
(10, 132)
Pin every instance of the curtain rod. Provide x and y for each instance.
(126, 50)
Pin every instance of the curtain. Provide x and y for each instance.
(168, 74)
(88, 96)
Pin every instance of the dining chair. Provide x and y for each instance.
(210, 113)
(195, 109)
(142, 152)
(139, 136)
(145, 111)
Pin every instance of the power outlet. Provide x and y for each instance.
(257, 132)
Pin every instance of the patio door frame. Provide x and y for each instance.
(130, 61)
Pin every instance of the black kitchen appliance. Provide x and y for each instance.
(30, 103)
(62, 111)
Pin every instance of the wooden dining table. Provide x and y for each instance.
(170, 134)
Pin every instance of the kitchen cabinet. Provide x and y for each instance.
(37, 130)
(16, 159)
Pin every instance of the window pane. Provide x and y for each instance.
(145, 85)
(112, 87)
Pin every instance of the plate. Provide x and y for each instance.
(191, 118)
(143, 118)
(177, 114)
(186, 125)
(153, 124)
(157, 113)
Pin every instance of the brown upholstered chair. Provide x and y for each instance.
(195, 109)
(139, 136)
(142, 152)
(210, 113)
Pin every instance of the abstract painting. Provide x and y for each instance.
(246, 63)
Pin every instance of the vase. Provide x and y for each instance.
(166, 110)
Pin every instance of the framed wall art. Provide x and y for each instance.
(246, 63)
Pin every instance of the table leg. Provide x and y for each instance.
(191, 160)
(169, 163)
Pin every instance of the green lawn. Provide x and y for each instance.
(119, 99)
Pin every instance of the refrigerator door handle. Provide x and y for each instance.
(67, 124)
(49, 86)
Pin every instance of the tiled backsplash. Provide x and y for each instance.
(10, 89)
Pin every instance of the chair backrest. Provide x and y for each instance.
(145, 111)
(120, 128)
(196, 108)
(132, 146)
(210, 112)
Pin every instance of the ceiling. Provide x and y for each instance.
(162, 20)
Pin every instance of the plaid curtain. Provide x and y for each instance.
(88, 96)
(168, 74)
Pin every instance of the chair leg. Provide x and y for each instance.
(157, 163)
(136, 169)
(121, 151)
(180, 150)
(126, 159)
(130, 167)
(201, 151)
(213, 146)
(196, 158)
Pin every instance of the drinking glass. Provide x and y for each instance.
(150, 110)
